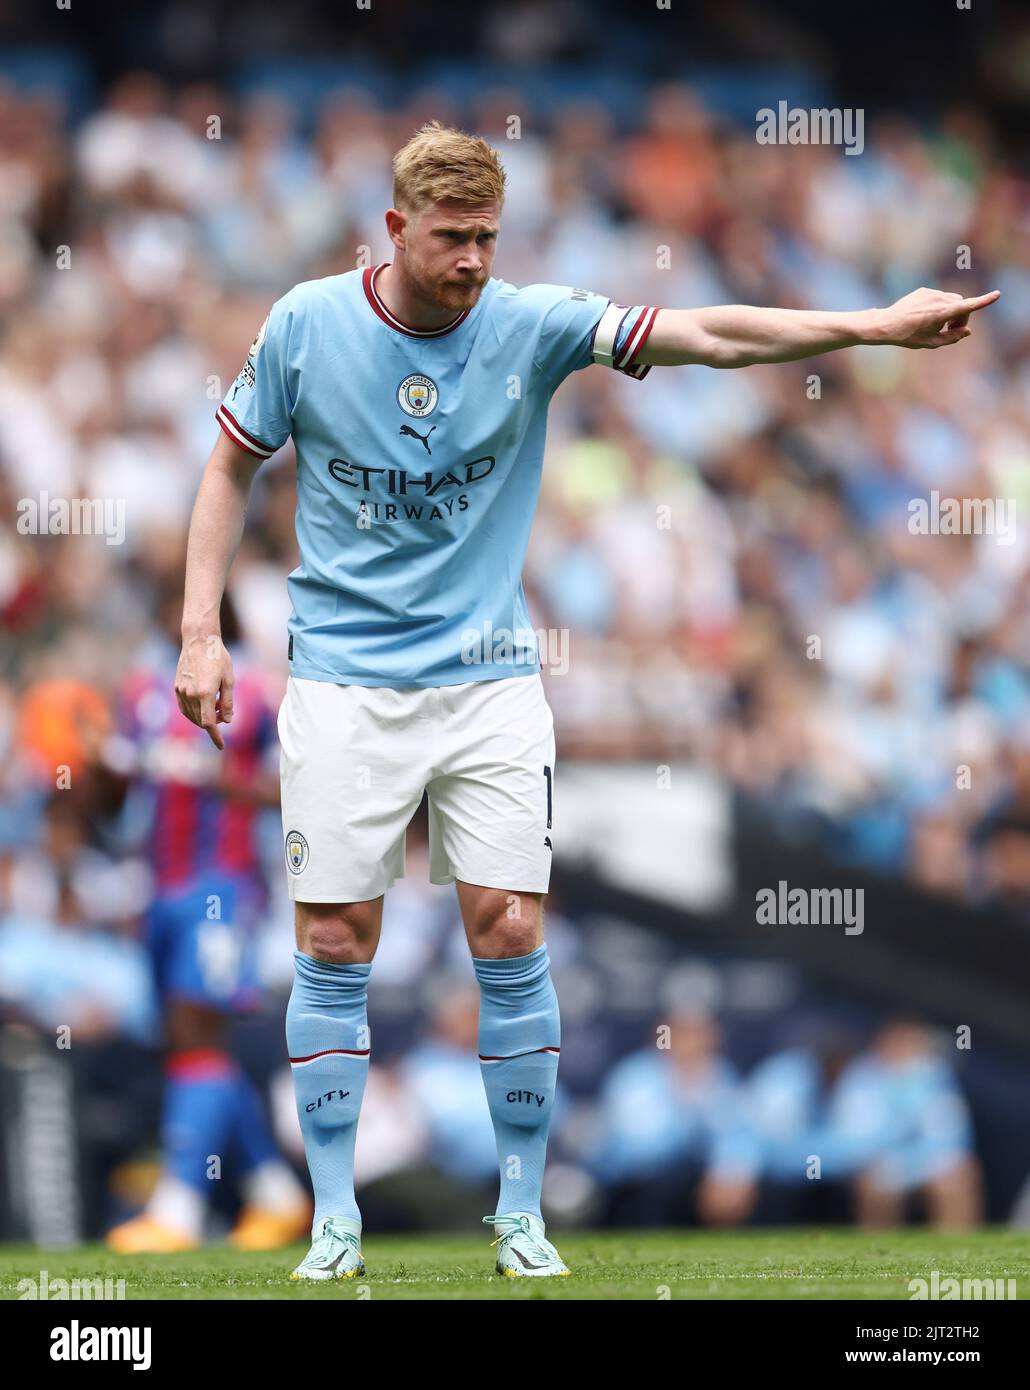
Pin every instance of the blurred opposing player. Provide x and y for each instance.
(200, 816)
(416, 394)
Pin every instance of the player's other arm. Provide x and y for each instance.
(740, 335)
(204, 678)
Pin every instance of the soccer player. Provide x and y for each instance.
(416, 394)
(199, 814)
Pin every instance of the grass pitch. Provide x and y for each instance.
(789, 1263)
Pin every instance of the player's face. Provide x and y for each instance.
(449, 251)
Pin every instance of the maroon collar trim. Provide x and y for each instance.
(368, 284)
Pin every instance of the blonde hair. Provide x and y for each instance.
(441, 164)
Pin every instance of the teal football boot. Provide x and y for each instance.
(335, 1252)
(521, 1247)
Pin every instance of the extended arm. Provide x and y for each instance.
(739, 335)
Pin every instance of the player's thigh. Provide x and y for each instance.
(491, 810)
(353, 765)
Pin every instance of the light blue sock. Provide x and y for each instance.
(519, 1041)
(328, 1042)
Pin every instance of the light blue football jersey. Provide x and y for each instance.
(419, 456)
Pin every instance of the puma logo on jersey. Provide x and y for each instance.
(406, 429)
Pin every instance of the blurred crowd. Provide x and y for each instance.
(730, 552)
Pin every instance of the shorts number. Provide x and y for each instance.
(547, 779)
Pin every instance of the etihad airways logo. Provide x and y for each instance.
(398, 482)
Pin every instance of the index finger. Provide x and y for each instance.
(969, 306)
(215, 736)
(208, 721)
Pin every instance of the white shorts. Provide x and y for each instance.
(356, 760)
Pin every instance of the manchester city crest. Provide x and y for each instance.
(417, 395)
(296, 851)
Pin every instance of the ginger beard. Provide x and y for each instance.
(444, 273)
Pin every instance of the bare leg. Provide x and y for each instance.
(339, 933)
(955, 1198)
(499, 924)
(876, 1207)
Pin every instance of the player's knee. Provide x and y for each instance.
(957, 1181)
(339, 933)
(505, 924)
(190, 1025)
(502, 939)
